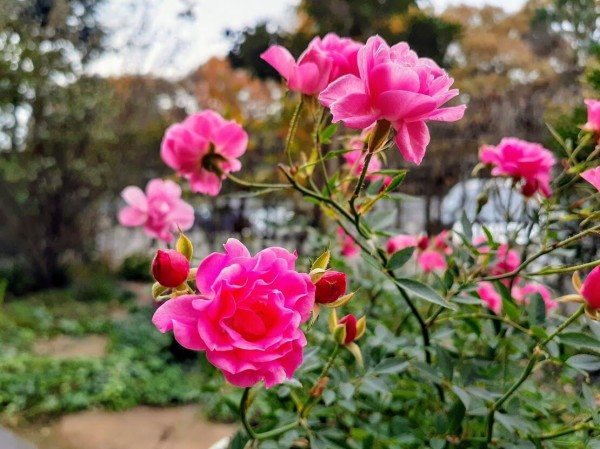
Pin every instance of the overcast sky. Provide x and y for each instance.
(171, 46)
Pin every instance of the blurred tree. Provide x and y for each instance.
(68, 141)
(394, 20)
(55, 158)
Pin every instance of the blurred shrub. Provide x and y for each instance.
(136, 267)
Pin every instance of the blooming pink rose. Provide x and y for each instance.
(349, 247)
(399, 242)
(507, 260)
(393, 84)
(592, 176)
(591, 289)
(159, 211)
(430, 260)
(593, 110)
(203, 149)
(521, 160)
(490, 297)
(324, 61)
(523, 295)
(247, 315)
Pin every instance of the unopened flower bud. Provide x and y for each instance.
(170, 268)
(330, 287)
(423, 243)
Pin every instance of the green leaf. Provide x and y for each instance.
(536, 309)
(395, 182)
(584, 362)
(580, 341)
(399, 258)
(456, 414)
(423, 291)
(328, 132)
(239, 440)
(467, 227)
(391, 366)
(462, 395)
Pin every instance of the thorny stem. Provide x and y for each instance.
(537, 352)
(541, 253)
(565, 431)
(257, 185)
(244, 405)
(292, 131)
(311, 400)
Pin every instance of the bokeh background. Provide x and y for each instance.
(87, 88)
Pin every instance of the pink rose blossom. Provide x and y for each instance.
(523, 295)
(591, 289)
(521, 160)
(247, 315)
(203, 149)
(399, 242)
(490, 297)
(593, 110)
(160, 210)
(431, 260)
(592, 176)
(324, 61)
(507, 260)
(349, 247)
(393, 84)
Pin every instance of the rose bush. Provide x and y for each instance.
(463, 340)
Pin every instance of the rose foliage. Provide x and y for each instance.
(372, 337)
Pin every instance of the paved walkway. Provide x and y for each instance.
(9, 440)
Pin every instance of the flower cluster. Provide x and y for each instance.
(523, 161)
(430, 252)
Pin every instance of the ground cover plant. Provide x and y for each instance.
(386, 340)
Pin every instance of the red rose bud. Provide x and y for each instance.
(423, 243)
(349, 321)
(330, 287)
(170, 268)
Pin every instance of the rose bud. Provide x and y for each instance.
(590, 290)
(423, 243)
(330, 287)
(170, 268)
(348, 329)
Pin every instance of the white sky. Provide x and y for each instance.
(169, 46)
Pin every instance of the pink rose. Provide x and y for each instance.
(523, 295)
(247, 315)
(399, 242)
(431, 260)
(592, 176)
(349, 247)
(521, 160)
(203, 149)
(159, 211)
(591, 289)
(507, 260)
(393, 84)
(490, 297)
(593, 110)
(324, 61)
